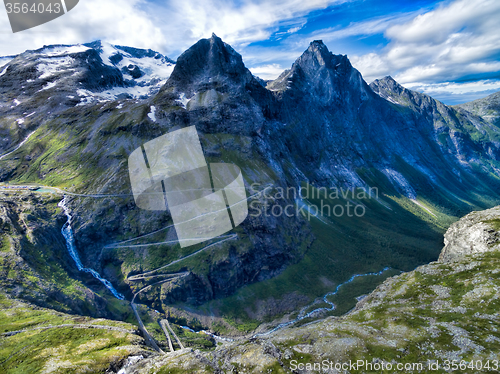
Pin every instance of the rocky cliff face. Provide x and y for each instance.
(459, 132)
(474, 234)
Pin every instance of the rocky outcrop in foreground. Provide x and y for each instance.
(446, 310)
(475, 233)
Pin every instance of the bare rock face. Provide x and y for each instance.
(478, 232)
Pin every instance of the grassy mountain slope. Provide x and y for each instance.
(36, 340)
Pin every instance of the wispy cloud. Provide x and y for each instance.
(457, 88)
(240, 23)
(368, 27)
(294, 45)
(267, 72)
(457, 41)
(169, 26)
(456, 93)
(117, 21)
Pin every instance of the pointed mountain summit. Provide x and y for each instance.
(325, 77)
(390, 90)
(385, 85)
(210, 63)
(212, 83)
(317, 58)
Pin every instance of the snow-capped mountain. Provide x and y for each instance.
(144, 71)
(37, 85)
(85, 73)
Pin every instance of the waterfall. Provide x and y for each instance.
(67, 232)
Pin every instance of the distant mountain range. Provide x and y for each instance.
(71, 115)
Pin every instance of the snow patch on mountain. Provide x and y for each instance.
(183, 100)
(3, 71)
(151, 65)
(51, 66)
(48, 86)
(107, 51)
(61, 50)
(390, 99)
(116, 93)
(152, 115)
(144, 71)
(5, 60)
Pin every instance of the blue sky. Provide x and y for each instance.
(448, 49)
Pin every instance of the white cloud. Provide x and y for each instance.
(456, 88)
(371, 65)
(454, 41)
(116, 21)
(437, 26)
(237, 23)
(267, 72)
(369, 27)
(456, 93)
(168, 26)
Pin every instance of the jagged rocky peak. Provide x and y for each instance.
(211, 74)
(326, 77)
(387, 88)
(318, 55)
(392, 91)
(210, 63)
(387, 83)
